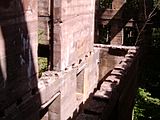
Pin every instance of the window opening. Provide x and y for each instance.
(104, 34)
(44, 37)
(130, 34)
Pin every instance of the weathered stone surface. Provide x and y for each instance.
(18, 67)
(102, 94)
(68, 94)
(91, 73)
(18, 110)
(107, 61)
(133, 51)
(121, 66)
(69, 9)
(117, 4)
(130, 55)
(87, 117)
(108, 86)
(44, 7)
(18, 50)
(21, 94)
(43, 30)
(54, 112)
(94, 107)
(73, 52)
(72, 41)
(118, 72)
(48, 86)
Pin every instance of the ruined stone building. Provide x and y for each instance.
(83, 80)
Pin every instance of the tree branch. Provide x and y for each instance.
(152, 13)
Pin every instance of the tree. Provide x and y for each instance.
(147, 17)
(147, 104)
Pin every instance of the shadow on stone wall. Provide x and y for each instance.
(115, 22)
(108, 59)
(18, 82)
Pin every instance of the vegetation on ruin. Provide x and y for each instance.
(147, 104)
(42, 64)
(42, 61)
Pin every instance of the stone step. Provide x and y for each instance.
(113, 79)
(118, 72)
(130, 55)
(107, 86)
(121, 66)
(133, 51)
(103, 95)
(95, 107)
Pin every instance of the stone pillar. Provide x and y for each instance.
(54, 110)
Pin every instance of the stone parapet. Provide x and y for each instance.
(116, 91)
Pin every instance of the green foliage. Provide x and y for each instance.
(146, 107)
(43, 65)
(156, 3)
(133, 4)
(41, 36)
(105, 3)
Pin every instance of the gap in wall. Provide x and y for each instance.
(43, 35)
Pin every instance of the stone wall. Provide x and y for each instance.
(109, 56)
(18, 63)
(115, 19)
(73, 52)
(44, 17)
(77, 65)
(114, 96)
(73, 32)
(75, 75)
